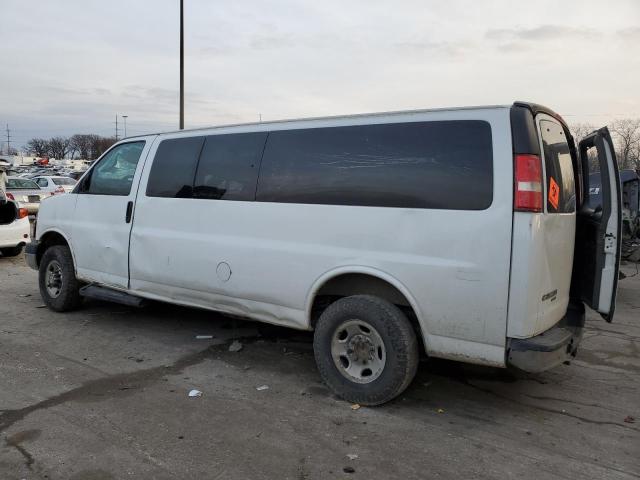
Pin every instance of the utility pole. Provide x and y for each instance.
(8, 140)
(125, 125)
(116, 127)
(181, 64)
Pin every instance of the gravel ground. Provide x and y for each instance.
(102, 393)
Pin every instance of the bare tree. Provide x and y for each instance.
(580, 131)
(627, 138)
(101, 145)
(59, 147)
(38, 147)
(83, 144)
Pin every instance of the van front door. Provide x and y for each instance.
(598, 227)
(103, 215)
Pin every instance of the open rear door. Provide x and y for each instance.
(598, 227)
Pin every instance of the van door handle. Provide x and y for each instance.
(129, 212)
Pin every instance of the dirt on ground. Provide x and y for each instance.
(103, 393)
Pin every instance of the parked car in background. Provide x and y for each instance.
(55, 185)
(14, 228)
(26, 192)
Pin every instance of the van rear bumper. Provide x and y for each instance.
(550, 348)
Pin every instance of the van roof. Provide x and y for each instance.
(331, 117)
(533, 107)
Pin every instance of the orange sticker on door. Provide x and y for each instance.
(554, 193)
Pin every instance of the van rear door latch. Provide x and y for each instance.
(609, 243)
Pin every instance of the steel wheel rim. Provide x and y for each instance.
(358, 351)
(53, 279)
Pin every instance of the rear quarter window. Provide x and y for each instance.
(560, 181)
(438, 164)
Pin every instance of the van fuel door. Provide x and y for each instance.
(598, 226)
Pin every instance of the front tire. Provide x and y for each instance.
(366, 349)
(11, 251)
(59, 286)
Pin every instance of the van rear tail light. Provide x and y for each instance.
(528, 183)
(23, 212)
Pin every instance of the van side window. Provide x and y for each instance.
(561, 192)
(174, 167)
(438, 164)
(228, 167)
(113, 175)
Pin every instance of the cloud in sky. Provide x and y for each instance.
(72, 66)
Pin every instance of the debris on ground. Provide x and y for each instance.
(629, 419)
(355, 406)
(235, 346)
(24, 295)
(262, 387)
(349, 470)
(440, 410)
(203, 337)
(352, 456)
(195, 393)
(41, 306)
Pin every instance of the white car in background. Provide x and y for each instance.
(26, 192)
(14, 229)
(55, 184)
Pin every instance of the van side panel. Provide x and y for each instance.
(264, 259)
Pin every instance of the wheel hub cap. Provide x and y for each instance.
(358, 351)
(53, 279)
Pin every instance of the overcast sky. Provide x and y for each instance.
(70, 66)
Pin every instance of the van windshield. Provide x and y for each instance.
(561, 192)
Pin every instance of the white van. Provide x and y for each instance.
(464, 231)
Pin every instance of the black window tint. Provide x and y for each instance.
(174, 167)
(228, 167)
(113, 174)
(561, 192)
(446, 164)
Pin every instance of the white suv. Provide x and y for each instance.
(464, 230)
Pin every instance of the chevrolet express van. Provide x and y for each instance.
(464, 231)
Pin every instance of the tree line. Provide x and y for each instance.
(85, 146)
(626, 137)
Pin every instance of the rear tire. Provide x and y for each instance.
(59, 286)
(366, 349)
(11, 251)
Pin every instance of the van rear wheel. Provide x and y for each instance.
(59, 286)
(365, 349)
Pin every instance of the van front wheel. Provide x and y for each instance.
(59, 286)
(365, 349)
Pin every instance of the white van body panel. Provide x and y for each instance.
(264, 260)
(542, 262)
(611, 265)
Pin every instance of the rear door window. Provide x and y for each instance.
(228, 167)
(174, 167)
(561, 192)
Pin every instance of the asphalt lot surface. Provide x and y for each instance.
(102, 393)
